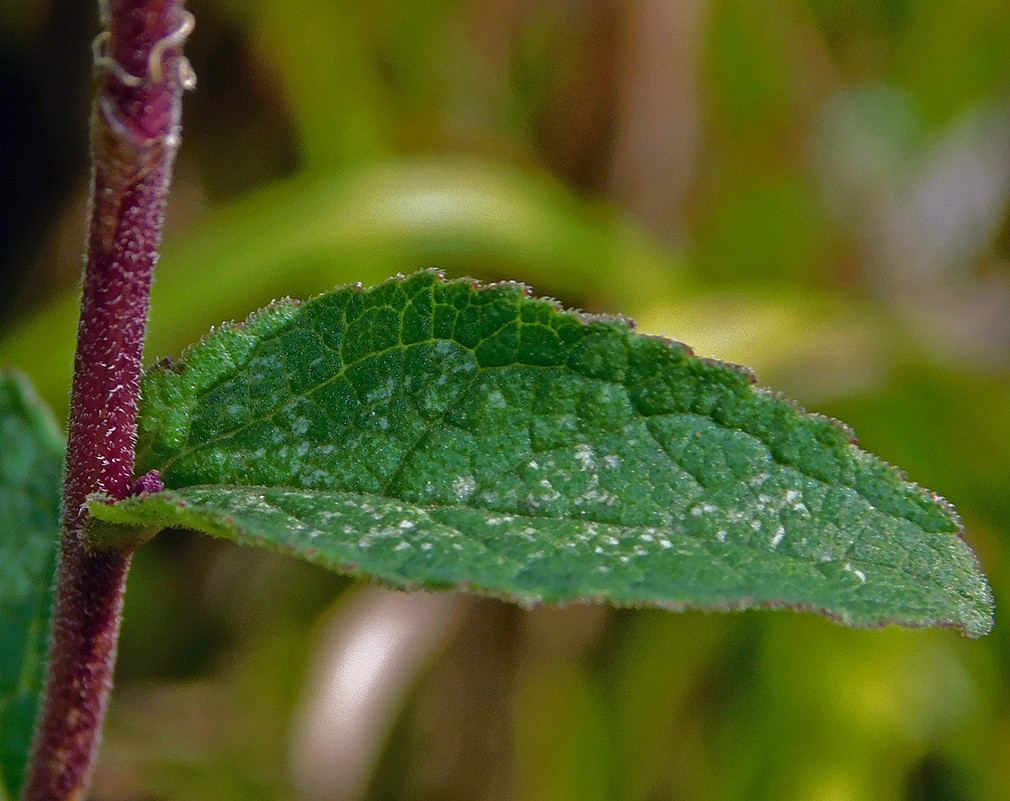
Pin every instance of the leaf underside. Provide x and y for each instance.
(31, 457)
(436, 434)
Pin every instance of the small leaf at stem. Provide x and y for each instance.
(31, 459)
(440, 433)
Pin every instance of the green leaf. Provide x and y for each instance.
(31, 458)
(441, 434)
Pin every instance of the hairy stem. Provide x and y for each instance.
(134, 137)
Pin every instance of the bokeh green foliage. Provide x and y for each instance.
(429, 132)
(31, 459)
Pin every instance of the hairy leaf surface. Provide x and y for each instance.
(31, 456)
(439, 433)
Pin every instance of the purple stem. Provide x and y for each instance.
(134, 137)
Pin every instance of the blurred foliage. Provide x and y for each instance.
(816, 189)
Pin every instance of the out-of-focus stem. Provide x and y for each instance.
(134, 137)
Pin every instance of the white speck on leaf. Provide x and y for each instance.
(463, 487)
(859, 574)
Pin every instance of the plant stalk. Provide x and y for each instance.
(135, 125)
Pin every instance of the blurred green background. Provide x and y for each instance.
(815, 188)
